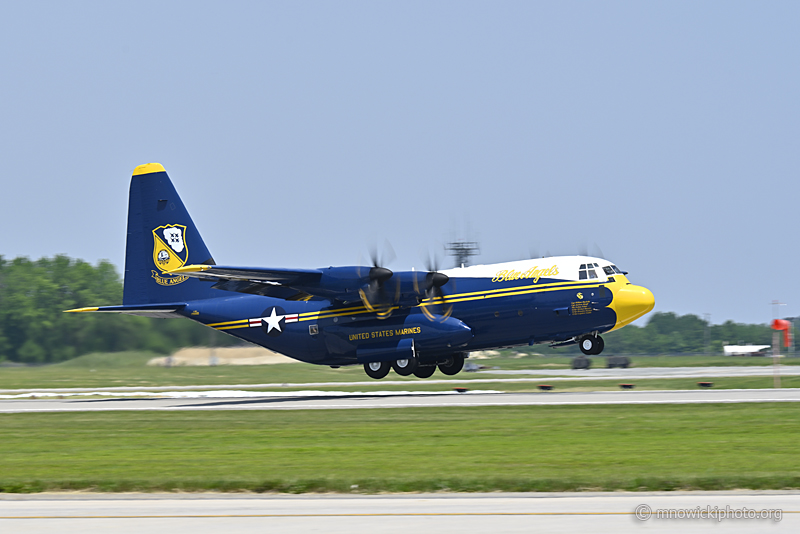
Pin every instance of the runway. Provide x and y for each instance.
(778, 511)
(394, 399)
(639, 373)
(464, 379)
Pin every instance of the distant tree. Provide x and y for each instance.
(34, 329)
(668, 333)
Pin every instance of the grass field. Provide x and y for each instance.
(544, 448)
(130, 369)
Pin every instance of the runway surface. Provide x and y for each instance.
(394, 399)
(441, 513)
(653, 372)
(464, 379)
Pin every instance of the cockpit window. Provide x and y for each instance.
(608, 270)
(616, 270)
(587, 271)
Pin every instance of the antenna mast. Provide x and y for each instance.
(462, 250)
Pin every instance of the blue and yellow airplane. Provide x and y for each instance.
(411, 321)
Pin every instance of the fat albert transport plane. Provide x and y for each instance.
(411, 321)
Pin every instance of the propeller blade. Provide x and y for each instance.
(599, 251)
(375, 297)
(388, 253)
(380, 259)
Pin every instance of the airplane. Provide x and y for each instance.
(412, 322)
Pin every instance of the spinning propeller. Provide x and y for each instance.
(384, 291)
(379, 295)
(436, 308)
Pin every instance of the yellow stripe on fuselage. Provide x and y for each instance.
(460, 297)
(214, 325)
(244, 325)
(511, 292)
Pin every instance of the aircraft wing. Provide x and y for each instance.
(287, 277)
(287, 284)
(346, 284)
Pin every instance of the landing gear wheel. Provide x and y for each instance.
(377, 370)
(424, 372)
(453, 365)
(588, 345)
(405, 367)
(600, 346)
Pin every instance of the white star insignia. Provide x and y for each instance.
(273, 321)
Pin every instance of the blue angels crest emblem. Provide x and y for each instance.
(170, 252)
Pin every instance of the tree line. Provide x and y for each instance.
(668, 333)
(34, 329)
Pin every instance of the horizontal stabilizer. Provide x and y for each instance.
(159, 311)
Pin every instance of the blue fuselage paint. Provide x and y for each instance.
(478, 315)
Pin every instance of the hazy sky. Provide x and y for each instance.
(665, 133)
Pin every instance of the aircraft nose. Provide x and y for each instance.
(631, 302)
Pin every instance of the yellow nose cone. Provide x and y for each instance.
(631, 302)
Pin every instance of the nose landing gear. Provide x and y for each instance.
(591, 345)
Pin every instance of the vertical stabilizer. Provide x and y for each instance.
(161, 237)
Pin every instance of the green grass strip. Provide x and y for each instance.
(536, 448)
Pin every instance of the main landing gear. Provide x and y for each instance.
(450, 366)
(405, 367)
(591, 345)
(377, 370)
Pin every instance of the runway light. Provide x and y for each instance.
(626, 386)
(705, 384)
(545, 387)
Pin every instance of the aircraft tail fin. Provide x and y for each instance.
(161, 237)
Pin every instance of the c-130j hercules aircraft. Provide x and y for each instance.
(411, 321)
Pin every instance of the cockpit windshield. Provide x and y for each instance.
(587, 272)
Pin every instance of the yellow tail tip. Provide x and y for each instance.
(148, 168)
